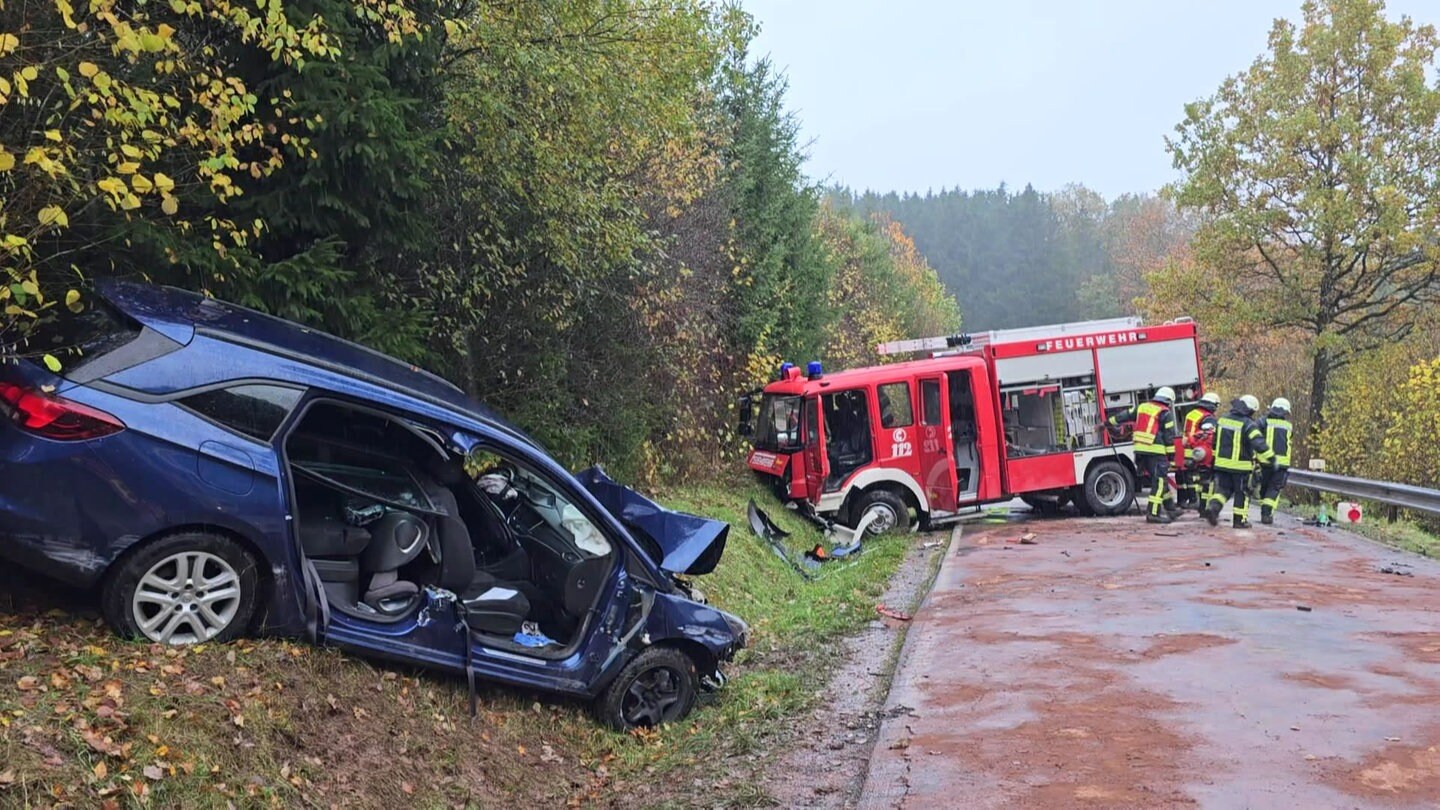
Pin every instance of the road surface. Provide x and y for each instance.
(1117, 664)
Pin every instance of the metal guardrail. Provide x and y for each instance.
(1401, 495)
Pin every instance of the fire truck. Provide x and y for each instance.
(983, 418)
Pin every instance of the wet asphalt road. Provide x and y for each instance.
(1117, 664)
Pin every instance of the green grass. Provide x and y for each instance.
(89, 720)
(1403, 534)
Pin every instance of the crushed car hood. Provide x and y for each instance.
(681, 543)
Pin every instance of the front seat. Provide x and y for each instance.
(491, 606)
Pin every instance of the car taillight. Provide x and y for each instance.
(53, 417)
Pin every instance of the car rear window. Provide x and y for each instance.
(255, 410)
(76, 338)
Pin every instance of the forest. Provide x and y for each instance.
(595, 216)
(591, 215)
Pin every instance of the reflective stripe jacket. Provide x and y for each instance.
(1239, 442)
(1154, 427)
(1193, 422)
(1277, 430)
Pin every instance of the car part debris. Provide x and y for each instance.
(1304, 608)
(1397, 569)
(893, 614)
(763, 527)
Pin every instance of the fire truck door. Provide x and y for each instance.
(937, 469)
(817, 466)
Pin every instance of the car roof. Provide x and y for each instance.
(186, 312)
(871, 375)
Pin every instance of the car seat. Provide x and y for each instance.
(397, 538)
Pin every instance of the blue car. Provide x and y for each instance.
(214, 472)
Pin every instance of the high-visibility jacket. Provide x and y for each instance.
(1277, 430)
(1192, 421)
(1154, 431)
(1200, 440)
(1239, 442)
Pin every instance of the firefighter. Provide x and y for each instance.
(1198, 433)
(1239, 443)
(1275, 424)
(1154, 435)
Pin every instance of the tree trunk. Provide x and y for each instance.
(1319, 383)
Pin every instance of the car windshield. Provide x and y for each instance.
(778, 427)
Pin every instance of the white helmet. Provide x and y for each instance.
(1210, 398)
(1166, 394)
(1251, 402)
(1280, 404)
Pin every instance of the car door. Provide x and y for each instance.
(817, 466)
(937, 469)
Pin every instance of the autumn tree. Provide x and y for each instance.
(1317, 172)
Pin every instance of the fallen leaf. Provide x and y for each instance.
(28, 683)
(154, 772)
(407, 788)
(100, 770)
(7, 777)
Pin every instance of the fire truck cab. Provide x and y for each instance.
(984, 419)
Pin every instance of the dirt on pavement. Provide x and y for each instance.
(1119, 664)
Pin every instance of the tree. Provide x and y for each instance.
(1317, 172)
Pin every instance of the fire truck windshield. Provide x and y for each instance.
(778, 427)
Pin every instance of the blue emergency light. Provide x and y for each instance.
(813, 370)
(784, 367)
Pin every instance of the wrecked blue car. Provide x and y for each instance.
(214, 471)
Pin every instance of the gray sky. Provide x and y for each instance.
(909, 95)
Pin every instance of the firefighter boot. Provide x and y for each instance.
(1239, 522)
(1211, 513)
(1172, 509)
(1267, 514)
(1156, 516)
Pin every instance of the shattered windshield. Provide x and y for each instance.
(778, 427)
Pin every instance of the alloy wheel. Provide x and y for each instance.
(653, 698)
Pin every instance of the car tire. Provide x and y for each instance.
(895, 512)
(184, 588)
(658, 687)
(1109, 489)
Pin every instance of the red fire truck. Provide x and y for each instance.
(985, 418)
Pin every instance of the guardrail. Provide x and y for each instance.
(1404, 496)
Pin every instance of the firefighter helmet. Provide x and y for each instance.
(1166, 394)
(1250, 402)
(1280, 404)
(1210, 398)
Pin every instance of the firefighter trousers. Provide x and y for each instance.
(1272, 480)
(1156, 467)
(1194, 485)
(1231, 484)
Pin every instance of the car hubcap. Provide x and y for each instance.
(186, 598)
(1110, 488)
(653, 698)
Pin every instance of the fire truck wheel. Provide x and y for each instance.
(891, 512)
(1109, 488)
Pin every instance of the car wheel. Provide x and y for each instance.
(1109, 488)
(182, 589)
(891, 513)
(656, 688)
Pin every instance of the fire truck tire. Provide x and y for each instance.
(894, 513)
(1046, 505)
(1109, 489)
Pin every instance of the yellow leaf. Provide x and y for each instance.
(128, 167)
(7, 160)
(163, 183)
(130, 150)
(30, 287)
(52, 135)
(71, 299)
(8, 43)
(140, 184)
(54, 215)
(113, 185)
(101, 770)
(129, 202)
(30, 72)
(88, 69)
(170, 205)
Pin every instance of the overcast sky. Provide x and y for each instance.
(910, 95)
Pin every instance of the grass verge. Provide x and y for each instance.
(88, 720)
(1403, 534)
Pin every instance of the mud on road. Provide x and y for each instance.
(1117, 664)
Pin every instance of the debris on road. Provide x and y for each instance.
(1027, 539)
(1304, 608)
(894, 614)
(1397, 569)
